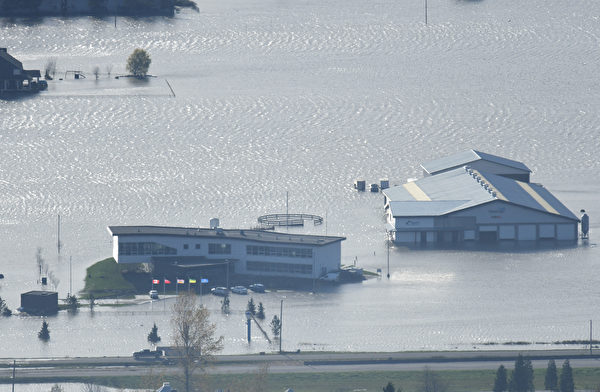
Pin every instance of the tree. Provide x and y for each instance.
(153, 335)
(522, 377)
(56, 388)
(261, 311)
(276, 326)
(225, 304)
(44, 333)
(72, 302)
(500, 383)
(432, 382)
(251, 307)
(138, 63)
(96, 72)
(567, 384)
(551, 379)
(4, 310)
(389, 387)
(194, 336)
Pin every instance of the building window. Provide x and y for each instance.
(219, 249)
(263, 266)
(279, 251)
(144, 249)
(185, 246)
(197, 246)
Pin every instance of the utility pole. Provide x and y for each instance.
(591, 337)
(13, 377)
(58, 245)
(70, 275)
(425, 12)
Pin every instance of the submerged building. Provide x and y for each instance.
(479, 197)
(216, 253)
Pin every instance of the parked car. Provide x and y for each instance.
(257, 287)
(220, 291)
(239, 290)
(153, 294)
(147, 354)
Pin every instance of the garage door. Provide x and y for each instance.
(566, 231)
(547, 231)
(506, 232)
(527, 232)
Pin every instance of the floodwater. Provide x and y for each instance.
(276, 96)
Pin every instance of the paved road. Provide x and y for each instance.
(293, 363)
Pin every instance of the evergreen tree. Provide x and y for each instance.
(44, 333)
(225, 304)
(153, 335)
(251, 307)
(261, 311)
(501, 383)
(389, 387)
(551, 379)
(522, 377)
(567, 384)
(276, 326)
(4, 310)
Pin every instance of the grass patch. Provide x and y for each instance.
(105, 280)
(407, 381)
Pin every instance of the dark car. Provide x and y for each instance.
(147, 354)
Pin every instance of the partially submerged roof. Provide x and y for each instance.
(218, 234)
(470, 156)
(10, 59)
(463, 188)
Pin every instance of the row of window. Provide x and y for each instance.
(264, 266)
(219, 249)
(144, 248)
(255, 250)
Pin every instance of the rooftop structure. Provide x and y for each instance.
(39, 302)
(465, 203)
(480, 161)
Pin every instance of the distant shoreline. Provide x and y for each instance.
(97, 8)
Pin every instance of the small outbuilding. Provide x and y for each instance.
(39, 302)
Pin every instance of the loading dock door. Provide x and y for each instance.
(488, 233)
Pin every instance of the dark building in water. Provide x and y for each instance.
(39, 302)
(13, 78)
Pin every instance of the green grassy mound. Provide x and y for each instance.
(105, 280)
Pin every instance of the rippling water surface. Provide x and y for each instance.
(276, 96)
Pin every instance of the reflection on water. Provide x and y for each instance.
(303, 97)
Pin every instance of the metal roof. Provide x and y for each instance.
(235, 234)
(10, 59)
(460, 188)
(466, 157)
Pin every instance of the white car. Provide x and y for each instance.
(153, 294)
(239, 290)
(220, 291)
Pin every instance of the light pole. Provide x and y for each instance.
(248, 321)
(280, 326)
(388, 255)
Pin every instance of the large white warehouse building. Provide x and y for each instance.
(180, 251)
(473, 196)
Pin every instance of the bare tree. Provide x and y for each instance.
(194, 336)
(109, 68)
(432, 382)
(50, 68)
(96, 72)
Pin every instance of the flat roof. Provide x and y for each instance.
(469, 156)
(40, 293)
(235, 234)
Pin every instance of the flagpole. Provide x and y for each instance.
(176, 286)
(164, 286)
